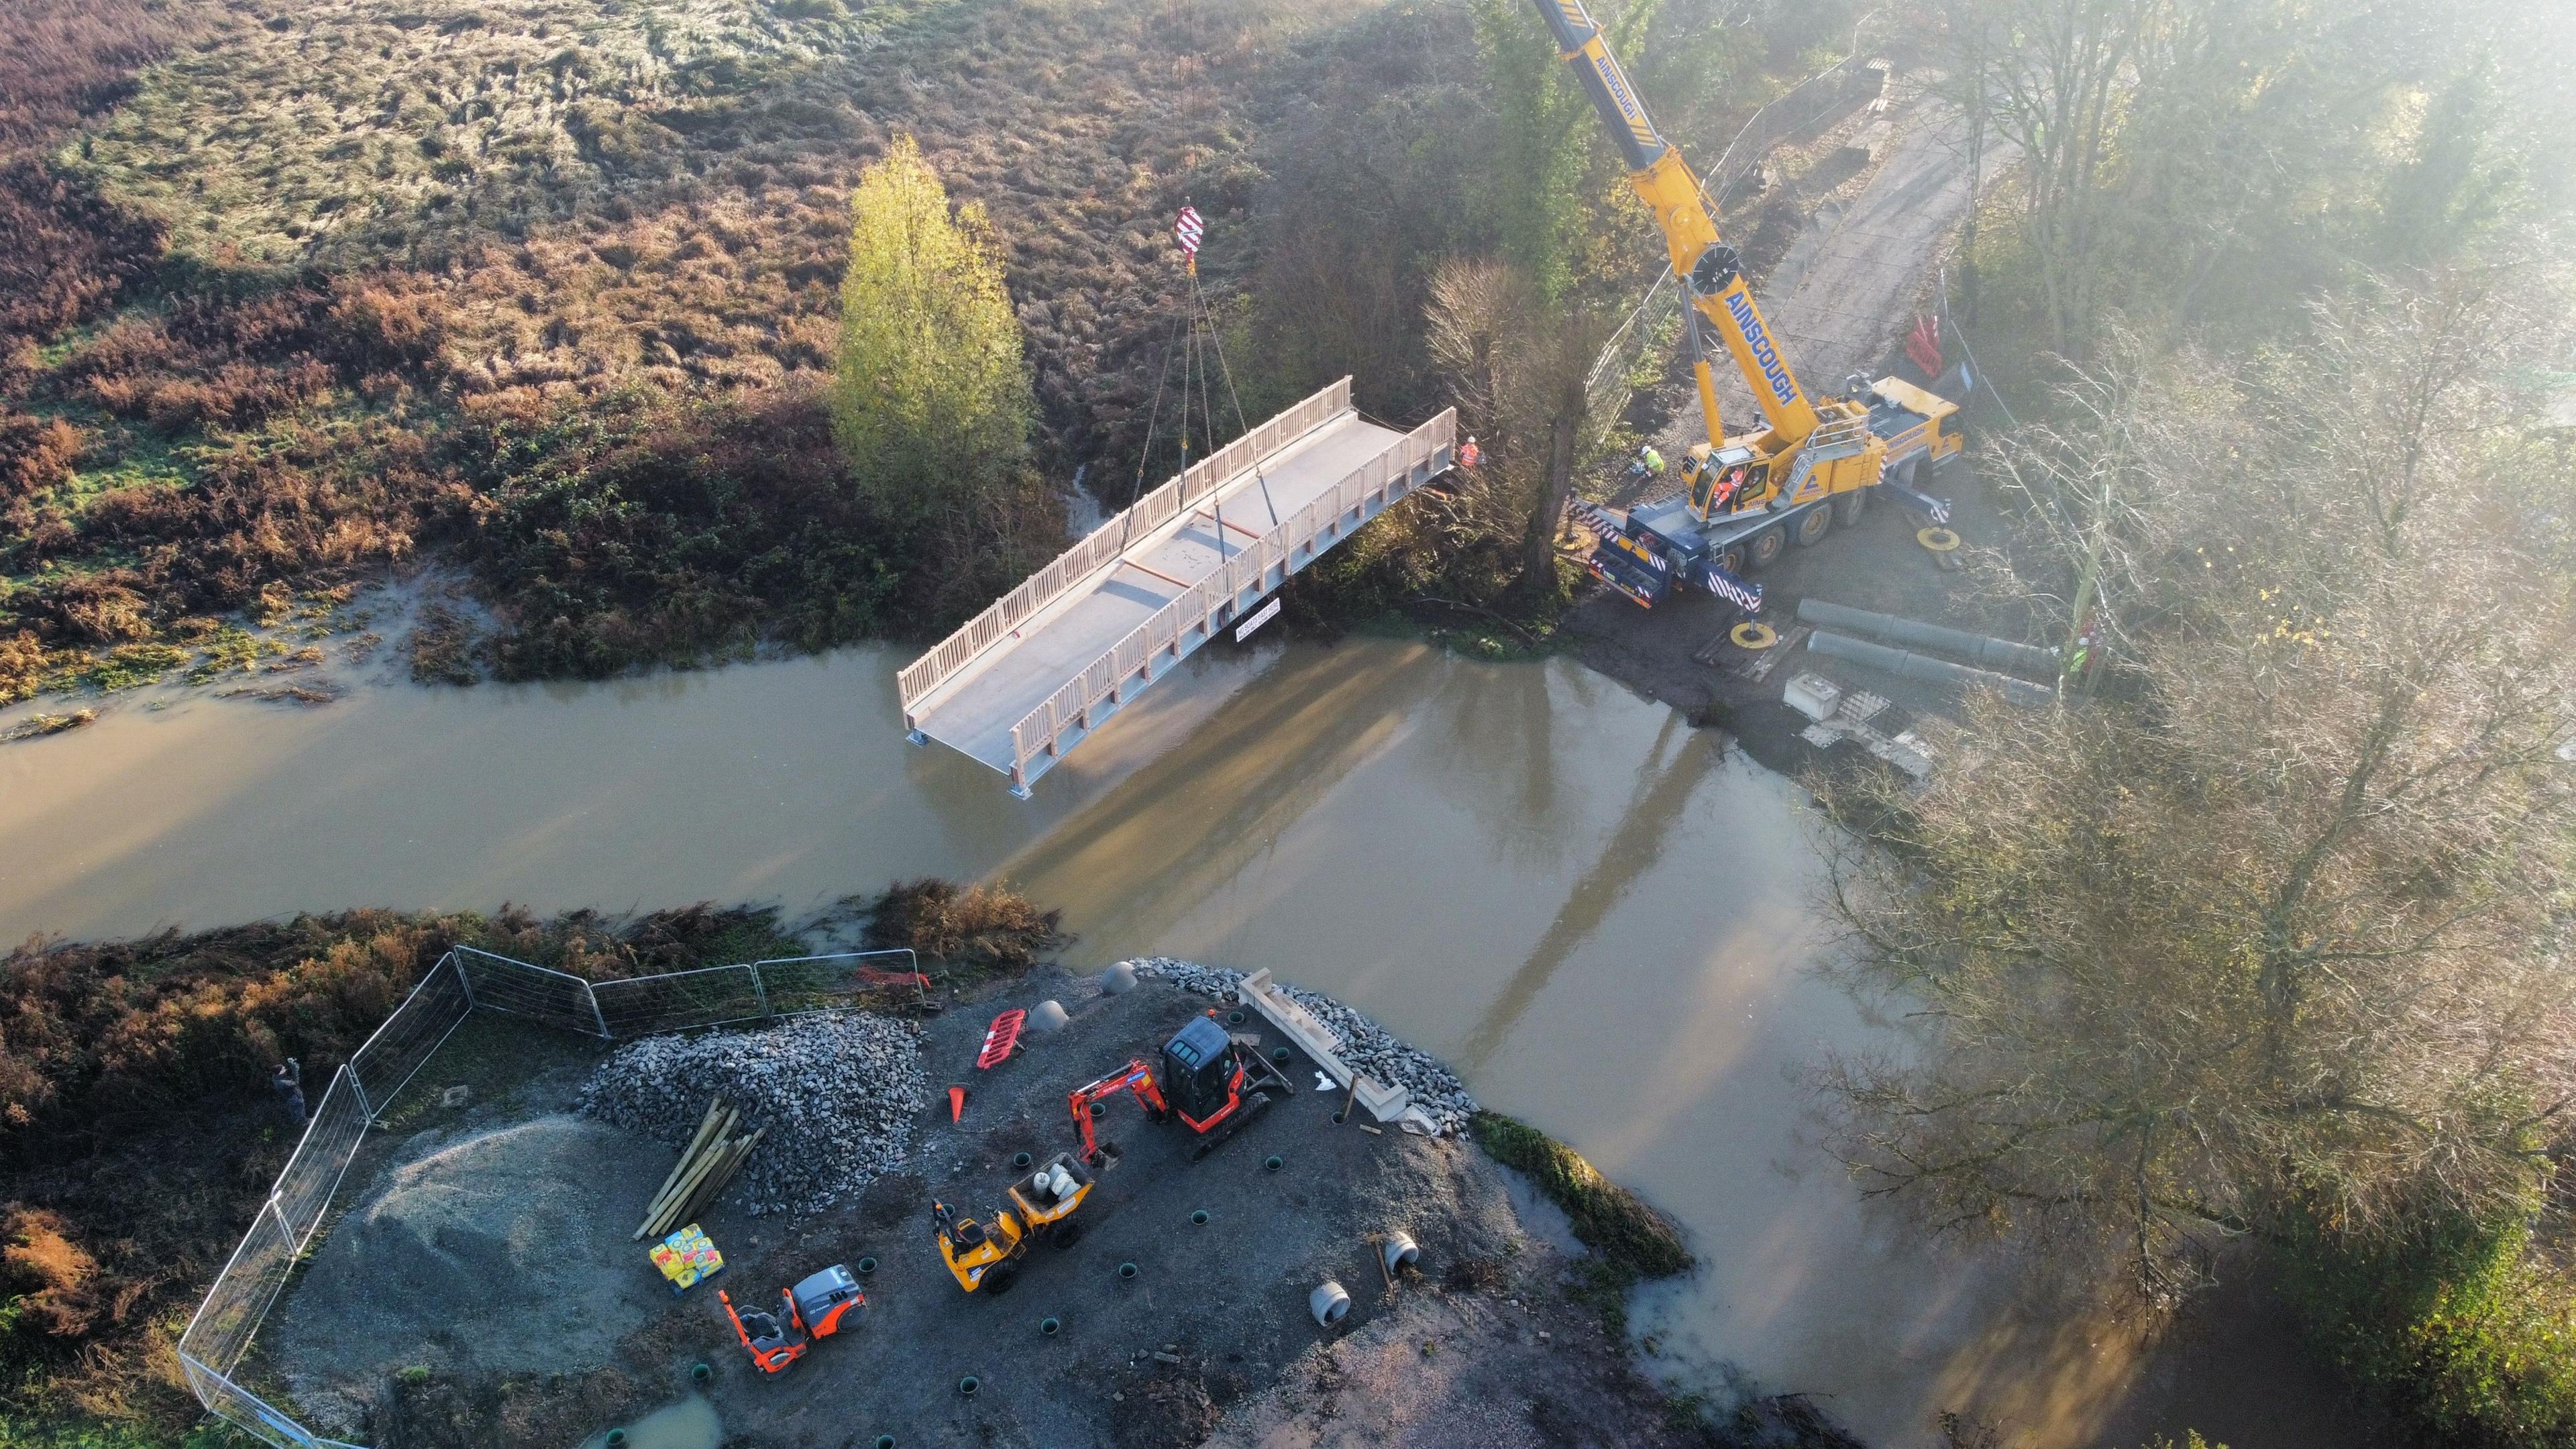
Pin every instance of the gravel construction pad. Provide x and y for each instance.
(837, 1093)
(490, 1254)
(1364, 1044)
(545, 1293)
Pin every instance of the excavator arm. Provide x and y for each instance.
(1135, 1077)
(1721, 303)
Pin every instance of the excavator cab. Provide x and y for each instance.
(1210, 1078)
(1199, 1069)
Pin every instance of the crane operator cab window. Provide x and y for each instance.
(1195, 1065)
(1719, 484)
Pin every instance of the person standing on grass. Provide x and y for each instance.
(288, 1083)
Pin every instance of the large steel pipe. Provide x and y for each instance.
(2000, 653)
(1907, 665)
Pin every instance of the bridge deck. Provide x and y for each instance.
(1018, 687)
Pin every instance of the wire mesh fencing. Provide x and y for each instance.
(712, 996)
(409, 1037)
(797, 984)
(364, 1088)
(557, 998)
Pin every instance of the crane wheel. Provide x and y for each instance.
(1848, 507)
(1764, 548)
(1749, 635)
(1814, 524)
(1939, 540)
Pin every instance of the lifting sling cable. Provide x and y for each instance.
(1192, 365)
(1242, 426)
(1145, 458)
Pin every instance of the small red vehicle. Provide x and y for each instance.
(815, 1308)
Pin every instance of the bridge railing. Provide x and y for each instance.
(1198, 613)
(1107, 542)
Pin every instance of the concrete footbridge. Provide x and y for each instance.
(1029, 678)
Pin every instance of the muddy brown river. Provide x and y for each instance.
(1601, 916)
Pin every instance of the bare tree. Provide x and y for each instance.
(1519, 369)
(2275, 925)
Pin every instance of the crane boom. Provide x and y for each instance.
(1712, 276)
(1751, 495)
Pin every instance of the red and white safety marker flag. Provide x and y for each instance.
(1189, 229)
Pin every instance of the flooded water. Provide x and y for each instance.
(688, 1424)
(1598, 914)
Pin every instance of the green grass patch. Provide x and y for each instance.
(1633, 1241)
(231, 649)
(131, 666)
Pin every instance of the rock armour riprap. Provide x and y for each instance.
(1365, 1045)
(838, 1091)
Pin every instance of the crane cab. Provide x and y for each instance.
(1722, 480)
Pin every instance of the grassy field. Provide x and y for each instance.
(314, 290)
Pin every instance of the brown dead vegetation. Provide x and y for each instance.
(137, 1133)
(980, 927)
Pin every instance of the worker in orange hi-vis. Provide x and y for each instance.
(1469, 455)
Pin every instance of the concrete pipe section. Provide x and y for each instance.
(1398, 1252)
(1118, 980)
(1047, 1018)
(1976, 648)
(1905, 665)
(1330, 1303)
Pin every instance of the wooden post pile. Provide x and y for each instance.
(706, 1165)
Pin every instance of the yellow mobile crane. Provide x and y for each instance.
(1748, 495)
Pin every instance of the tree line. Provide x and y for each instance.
(2253, 955)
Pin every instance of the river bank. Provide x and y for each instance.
(1598, 914)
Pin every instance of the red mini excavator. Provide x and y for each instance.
(815, 1308)
(1213, 1080)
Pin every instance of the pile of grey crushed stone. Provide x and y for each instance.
(1365, 1045)
(838, 1091)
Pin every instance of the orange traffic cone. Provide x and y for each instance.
(956, 1104)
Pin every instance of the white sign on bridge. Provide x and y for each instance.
(1268, 612)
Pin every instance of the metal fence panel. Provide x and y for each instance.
(682, 999)
(222, 1329)
(818, 983)
(304, 1189)
(247, 1411)
(435, 1007)
(551, 996)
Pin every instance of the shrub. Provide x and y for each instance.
(35, 453)
(656, 529)
(980, 927)
(2463, 1329)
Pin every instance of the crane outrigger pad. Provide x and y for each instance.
(1038, 671)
